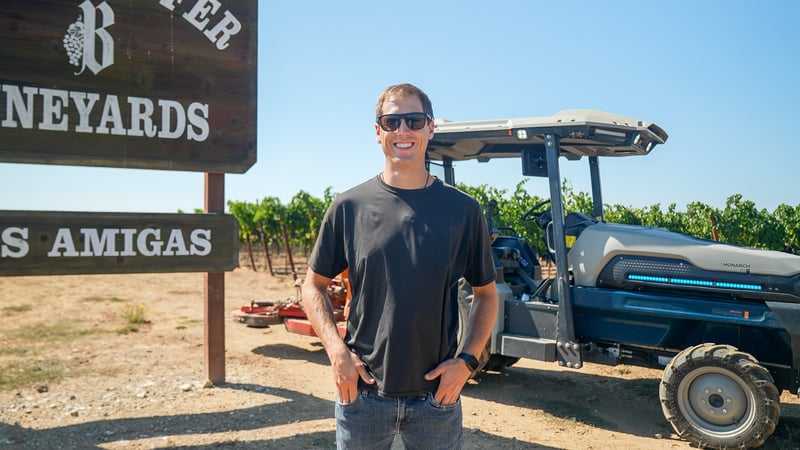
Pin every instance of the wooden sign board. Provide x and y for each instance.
(156, 84)
(59, 243)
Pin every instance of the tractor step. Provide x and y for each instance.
(540, 349)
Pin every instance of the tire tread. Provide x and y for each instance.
(744, 365)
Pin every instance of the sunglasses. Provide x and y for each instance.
(414, 121)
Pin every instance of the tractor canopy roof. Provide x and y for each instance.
(580, 133)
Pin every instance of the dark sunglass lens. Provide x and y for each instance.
(416, 121)
(390, 123)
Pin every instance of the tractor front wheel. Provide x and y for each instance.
(716, 396)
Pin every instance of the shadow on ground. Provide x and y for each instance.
(297, 409)
(570, 395)
(285, 351)
(629, 406)
(618, 404)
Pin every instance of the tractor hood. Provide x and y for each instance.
(620, 255)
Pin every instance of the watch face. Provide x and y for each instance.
(471, 361)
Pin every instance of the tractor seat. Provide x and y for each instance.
(516, 252)
(508, 256)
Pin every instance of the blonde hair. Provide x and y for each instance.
(404, 90)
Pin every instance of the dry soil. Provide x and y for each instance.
(74, 374)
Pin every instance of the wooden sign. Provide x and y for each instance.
(58, 243)
(153, 84)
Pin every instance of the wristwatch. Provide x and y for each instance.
(472, 361)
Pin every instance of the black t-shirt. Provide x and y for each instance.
(406, 251)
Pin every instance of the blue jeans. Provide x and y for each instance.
(371, 422)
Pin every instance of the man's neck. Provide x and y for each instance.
(406, 179)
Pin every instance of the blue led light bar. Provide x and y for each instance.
(744, 286)
(648, 278)
(691, 282)
(704, 283)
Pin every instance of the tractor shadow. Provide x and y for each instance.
(787, 433)
(629, 406)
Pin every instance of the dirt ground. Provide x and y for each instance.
(74, 375)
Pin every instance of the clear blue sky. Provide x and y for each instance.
(721, 77)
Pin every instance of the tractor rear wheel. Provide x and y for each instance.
(464, 306)
(716, 396)
(499, 362)
(486, 360)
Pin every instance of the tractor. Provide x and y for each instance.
(721, 321)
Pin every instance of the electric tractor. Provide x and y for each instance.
(722, 321)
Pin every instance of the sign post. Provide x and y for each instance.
(214, 333)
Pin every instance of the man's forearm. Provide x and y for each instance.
(320, 313)
(481, 318)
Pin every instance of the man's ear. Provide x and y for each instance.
(378, 134)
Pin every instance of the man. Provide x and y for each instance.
(406, 239)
